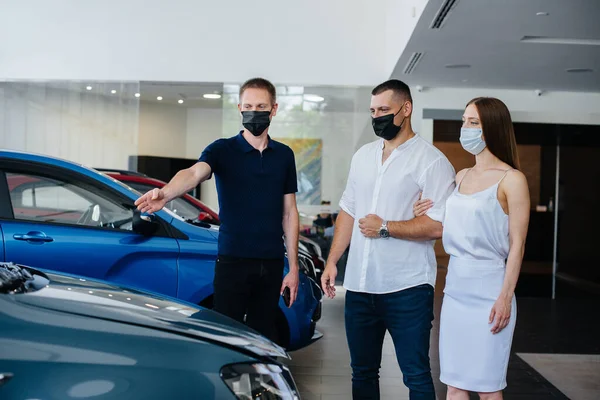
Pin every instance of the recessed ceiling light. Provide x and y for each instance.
(542, 14)
(180, 101)
(113, 91)
(212, 96)
(159, 98)
(579, 70)
(457, 66)
(88, 88)
(137, 95)
(313, 98)
(559, 40)
(465, 80)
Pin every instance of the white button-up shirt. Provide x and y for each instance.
(390, 190)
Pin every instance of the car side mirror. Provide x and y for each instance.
(144, 224)
(96, 213)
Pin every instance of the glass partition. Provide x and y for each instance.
(94, 123)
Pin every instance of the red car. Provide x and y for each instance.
(186, 206)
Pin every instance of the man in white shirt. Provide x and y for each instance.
(391, 269)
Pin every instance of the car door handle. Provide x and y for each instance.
(5, 377)
(33, 236)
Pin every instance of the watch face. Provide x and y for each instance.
(384, 233)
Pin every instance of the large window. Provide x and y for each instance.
(323, 125)
(90, 122)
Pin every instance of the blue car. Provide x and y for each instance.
(65, 217)
(68, 337)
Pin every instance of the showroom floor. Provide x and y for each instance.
(555, 347)
(322, 370)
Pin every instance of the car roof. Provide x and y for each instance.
(54, 161)
(70, 165)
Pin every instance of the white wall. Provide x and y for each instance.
(333, 42)
(163, 130)
(59, 120)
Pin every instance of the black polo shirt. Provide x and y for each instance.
(251, 186)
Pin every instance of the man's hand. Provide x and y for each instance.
(291, 281)
(328, 280)
(152, 201)
(370, 226)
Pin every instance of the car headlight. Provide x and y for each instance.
(260, 382)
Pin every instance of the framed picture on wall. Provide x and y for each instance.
(308, 153)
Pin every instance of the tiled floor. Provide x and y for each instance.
(322, 370)
(576, 375)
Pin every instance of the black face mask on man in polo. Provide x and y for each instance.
(256, 121)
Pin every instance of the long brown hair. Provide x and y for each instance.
(497, 129)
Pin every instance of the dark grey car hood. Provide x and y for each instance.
(96, 299)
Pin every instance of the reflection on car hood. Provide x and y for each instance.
(101, 300)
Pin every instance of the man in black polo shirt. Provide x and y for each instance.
(256, 186)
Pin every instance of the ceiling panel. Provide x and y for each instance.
(486, 34)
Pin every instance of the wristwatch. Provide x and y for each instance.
(383, 231)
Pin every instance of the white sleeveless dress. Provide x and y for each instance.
(476, 237)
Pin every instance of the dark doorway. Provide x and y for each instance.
(540, 146)
(163, 168)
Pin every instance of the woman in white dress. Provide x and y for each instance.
(485, 227)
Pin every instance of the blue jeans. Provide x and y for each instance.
(407, 315)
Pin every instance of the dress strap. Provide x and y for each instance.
(504, 176)
(463, 178)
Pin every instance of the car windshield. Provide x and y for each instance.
(179, 206)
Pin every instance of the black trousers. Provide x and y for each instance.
(248, 290)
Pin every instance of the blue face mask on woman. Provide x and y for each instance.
(471, 140)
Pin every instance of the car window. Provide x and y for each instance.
(140, 187)
(179, 206)
(53, 197)
(44, 199)
(184, 209)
